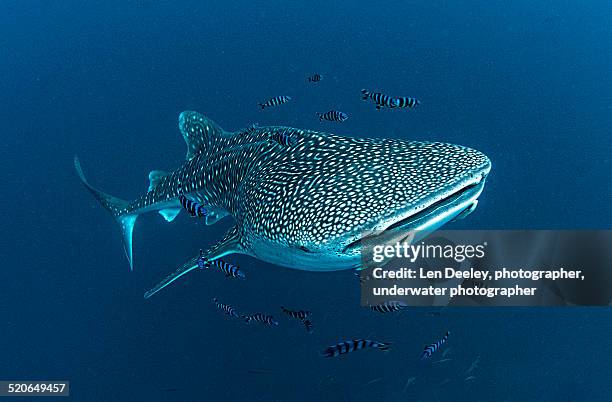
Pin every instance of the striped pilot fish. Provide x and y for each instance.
(388, 306)
(308, 325)
(287, 137)
(250, 130)
(193, 208)
(202, 262)
(314, 78)
(298, 315)
(429, 350)
(350, 346)
(406, 102)
(332, 115)
(379, 98)
(226, 308)
(362, 276)
(228, 269)
(277, 100)
(260, 317)
(301, 315)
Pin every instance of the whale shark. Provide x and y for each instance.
(308, 203)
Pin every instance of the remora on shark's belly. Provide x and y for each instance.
(305, 205)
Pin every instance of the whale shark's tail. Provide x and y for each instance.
(117, 207)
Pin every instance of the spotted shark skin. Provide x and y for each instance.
(306, 205)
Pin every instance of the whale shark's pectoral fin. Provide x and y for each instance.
(230, 244)
(184, 269)
(214, 215)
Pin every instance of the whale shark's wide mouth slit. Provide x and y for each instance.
(432, 207)
(429, 210)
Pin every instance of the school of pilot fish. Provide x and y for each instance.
(199, 209)
(286, 138)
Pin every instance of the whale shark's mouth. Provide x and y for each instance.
(438, 206)
(451, 206)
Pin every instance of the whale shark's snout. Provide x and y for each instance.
(464, 183)
(418, 219)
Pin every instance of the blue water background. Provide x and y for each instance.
(528, 83)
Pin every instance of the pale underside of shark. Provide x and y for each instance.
(305, 205)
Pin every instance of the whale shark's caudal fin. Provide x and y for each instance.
(117, 207)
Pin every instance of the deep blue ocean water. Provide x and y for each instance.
(527, 83)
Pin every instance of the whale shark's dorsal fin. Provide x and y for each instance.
(198, 132)
(155, 177)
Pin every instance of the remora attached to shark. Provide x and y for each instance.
(307, 205)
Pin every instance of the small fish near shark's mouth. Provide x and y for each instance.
(453, 204)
